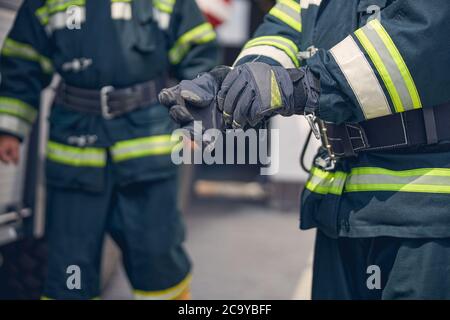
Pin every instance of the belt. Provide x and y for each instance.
(420, 127)
(108, 101)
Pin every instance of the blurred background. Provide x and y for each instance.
(243, 233)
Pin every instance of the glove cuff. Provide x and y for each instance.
(306, 90)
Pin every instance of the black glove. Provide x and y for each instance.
(254, 92)
(195, 100)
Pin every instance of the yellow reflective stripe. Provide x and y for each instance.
(18, 108)
(76, 157)
(288, 12)
(53, 6)
(423, 180)
(201, 34)
(361, 78)
(16, 49)
(167, 294)
(143, 147)
(403, 68)
(323, 182)
(276, 101)
(284, 44)
(382, 70)
(164, 5)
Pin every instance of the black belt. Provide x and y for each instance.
(413, 128)
(108, 101)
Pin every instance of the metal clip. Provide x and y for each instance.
(312, 121)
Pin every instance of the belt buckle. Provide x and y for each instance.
(106, 113)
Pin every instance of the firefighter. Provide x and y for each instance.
(109, 167)
(372, 78)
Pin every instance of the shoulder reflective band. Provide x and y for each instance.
(16, 49)
(417, 180)
(168, 294)
(201, 34)
(55, 14)
(289, 12)
(76, 157)
(143, 147)
(164, 5)
(361, 78)
(121, 10)
(323, 182)
(390, 65)
(14, 125)
(306, 3)
(17, 108)
(287, 46)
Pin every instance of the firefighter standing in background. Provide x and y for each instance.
(375, 76)
(109, 166)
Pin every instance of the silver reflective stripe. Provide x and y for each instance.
(121, 11)
(417, 180)
(162, 18)
(14, 125)
(361, 78)
(289, 12)
(306, 3)
(59, 20)
(391, 66)
(268, 51)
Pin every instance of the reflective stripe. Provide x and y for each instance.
(14, 125)
(306, 3)
(143, 147)
(168, 294)
(76, 157)
(268, 51)
(407, 88)
(281, 43)
(16, 49)
(201, 34)
(275, 94)
(324, 182)
(53, 6)
(163, 18)
(121, 10)
(288, 11)
(164, 5)
(361, 78)
(18, 108)
(434, 180)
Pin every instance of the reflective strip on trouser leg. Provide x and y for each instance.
(76, 157)
(323, 182)
(289, 12)
(167, 294)
(426, 180)
(143, 147)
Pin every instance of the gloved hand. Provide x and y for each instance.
(196, 99)
(253, 92)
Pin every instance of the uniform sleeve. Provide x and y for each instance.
(25, 70)
(277, 40)
(194, 47)
(391, 65)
